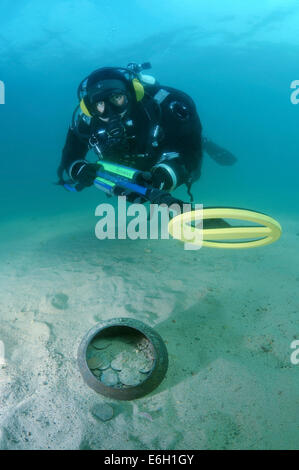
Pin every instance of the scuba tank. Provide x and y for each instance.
(145, 79)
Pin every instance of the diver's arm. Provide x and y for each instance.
(190, 148)
(74, 164)
(76, 144)
(184, 164)
(74, 149)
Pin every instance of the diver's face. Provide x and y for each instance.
(118, 102)
(101, 107)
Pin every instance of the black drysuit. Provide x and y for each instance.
(170, 111)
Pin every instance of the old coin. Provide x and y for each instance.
(116, 365)
(94, 362)
(109, 377)
(102, 411)
(105, 362)
(146, 368)
(122, 360)
(130, 377)
(97, 372)
(60, 301)
(99, 343)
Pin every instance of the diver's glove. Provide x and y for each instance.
(159, 178)
(83, 173)
(169, 172)
(162, 179)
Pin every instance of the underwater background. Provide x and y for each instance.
(235, 386)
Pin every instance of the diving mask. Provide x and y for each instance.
(109, 98)
(115, 103)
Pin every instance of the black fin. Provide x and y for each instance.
(219, 154)
(215, 223)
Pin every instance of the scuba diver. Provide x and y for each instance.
(128, 118)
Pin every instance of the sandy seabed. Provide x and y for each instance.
(227, 317)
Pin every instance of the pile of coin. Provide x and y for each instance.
(120, 362)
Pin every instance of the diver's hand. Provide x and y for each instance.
(157, 178)
(84, 174)
(161, 179)
(144, 178)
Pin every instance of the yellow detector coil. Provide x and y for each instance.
(268, 232)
